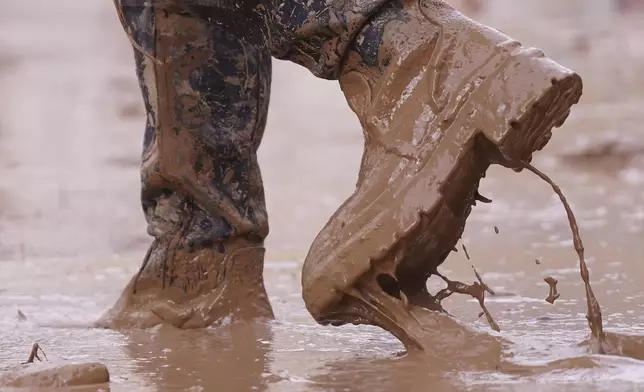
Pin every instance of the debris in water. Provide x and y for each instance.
(537, 261)
(21, 316)
(34, 354)
(496, 230)
(594, 314)
(553, 295)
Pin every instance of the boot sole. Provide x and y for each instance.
(398, 233)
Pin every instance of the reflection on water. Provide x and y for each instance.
(233, 357)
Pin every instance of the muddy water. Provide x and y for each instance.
(72, 232)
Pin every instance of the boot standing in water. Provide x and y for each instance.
(439, 96)
(205, 76)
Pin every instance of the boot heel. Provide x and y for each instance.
(534, 95)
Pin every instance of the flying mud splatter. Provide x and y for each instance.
(476, 290)
(485, 286)
(467, 255)
(553, 295)
(594, 314)
(33, 354)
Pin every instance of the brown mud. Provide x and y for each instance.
(594, 313)
(434, 117)
(599, 343)
(553, 294)
(72, 233)
(51, 375)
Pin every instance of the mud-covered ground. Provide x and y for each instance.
(72, 231)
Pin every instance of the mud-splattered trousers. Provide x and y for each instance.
(205, 74)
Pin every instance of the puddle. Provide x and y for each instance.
(72, 232)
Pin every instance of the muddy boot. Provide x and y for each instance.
(205, 77)
(440, 98)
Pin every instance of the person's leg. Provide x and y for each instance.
(440, 98)
(205, 77)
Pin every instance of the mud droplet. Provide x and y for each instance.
(467, 255)
(553, 295)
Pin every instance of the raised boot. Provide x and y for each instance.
(440, 98)
(205, 79)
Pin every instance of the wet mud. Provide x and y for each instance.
(52, 376)
(434, 121)
(72, 235)
(599, 343)
(553, 294)
(594, 313)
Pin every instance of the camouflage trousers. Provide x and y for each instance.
(205, 75)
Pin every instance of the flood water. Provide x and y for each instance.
(72, 232)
